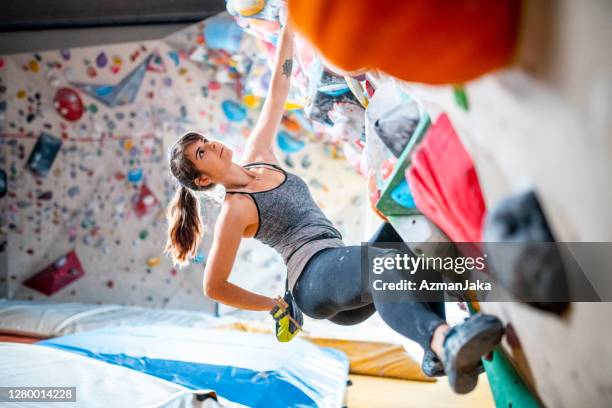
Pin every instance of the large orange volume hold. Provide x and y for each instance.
(430, 41)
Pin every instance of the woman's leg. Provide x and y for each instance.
(332, 283)
(397, 317)
(355, 316)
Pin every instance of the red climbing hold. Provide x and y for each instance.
(59, 274)
(444, 183)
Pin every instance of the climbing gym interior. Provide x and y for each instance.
(478, 131)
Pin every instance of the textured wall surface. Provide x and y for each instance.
(126, 104)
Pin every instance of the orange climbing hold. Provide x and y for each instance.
(431, 41)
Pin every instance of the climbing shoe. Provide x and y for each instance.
(431, 365)
(288, 318)
(465, 345)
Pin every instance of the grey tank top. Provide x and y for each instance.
(291, 222)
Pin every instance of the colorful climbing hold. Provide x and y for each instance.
(234, 111)
(461, 97)
(251, 101)
(101, 60)
(68, 104)
(127, 145)
(153, 262)
(291, 124)
(401, 194)
(73, 191)
(247, 8)
(104, 90)
(47, 195)
(292, 105)
(222, 32)
(287, 143)
(135, 175)
(33, 65)
(174, 57)
(334, 89)
(214, 85)
(199, 258)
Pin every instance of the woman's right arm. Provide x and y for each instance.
(259, 144)
(228, 233)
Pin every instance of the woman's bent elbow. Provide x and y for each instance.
(211, 291)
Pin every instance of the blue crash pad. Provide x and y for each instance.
(248, 368)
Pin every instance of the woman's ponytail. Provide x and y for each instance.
(183, 212)
(184, 226)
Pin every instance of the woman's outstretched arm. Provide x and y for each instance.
(259, 143)
(226, 240)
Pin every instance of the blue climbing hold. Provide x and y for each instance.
(401, 194)
(222, 32)
(174, 57)
(135, 175)
(334, 89)
(104, 90)
(199, 258)
(234, 111)
(287, 143)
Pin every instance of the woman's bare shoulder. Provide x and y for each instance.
(235, 204)
(238, 212)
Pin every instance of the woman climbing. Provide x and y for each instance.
(265, 202)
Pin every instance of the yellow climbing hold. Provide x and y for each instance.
(153, 262)
(33, 65)
(251, 101)
(247, 8)
(128, 144)
(21, 94)
(292, 105)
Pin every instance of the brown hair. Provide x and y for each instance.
(183, 212)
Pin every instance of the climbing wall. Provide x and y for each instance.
(84, 135)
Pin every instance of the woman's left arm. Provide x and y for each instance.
(259, 143)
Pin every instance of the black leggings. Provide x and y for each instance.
(330, 287)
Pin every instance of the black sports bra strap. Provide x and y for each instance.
(265, 163)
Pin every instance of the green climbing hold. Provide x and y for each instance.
(143, 234)
(507, 387)
(87, 223)
(461, 97)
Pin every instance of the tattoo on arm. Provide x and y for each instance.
(287, 67)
